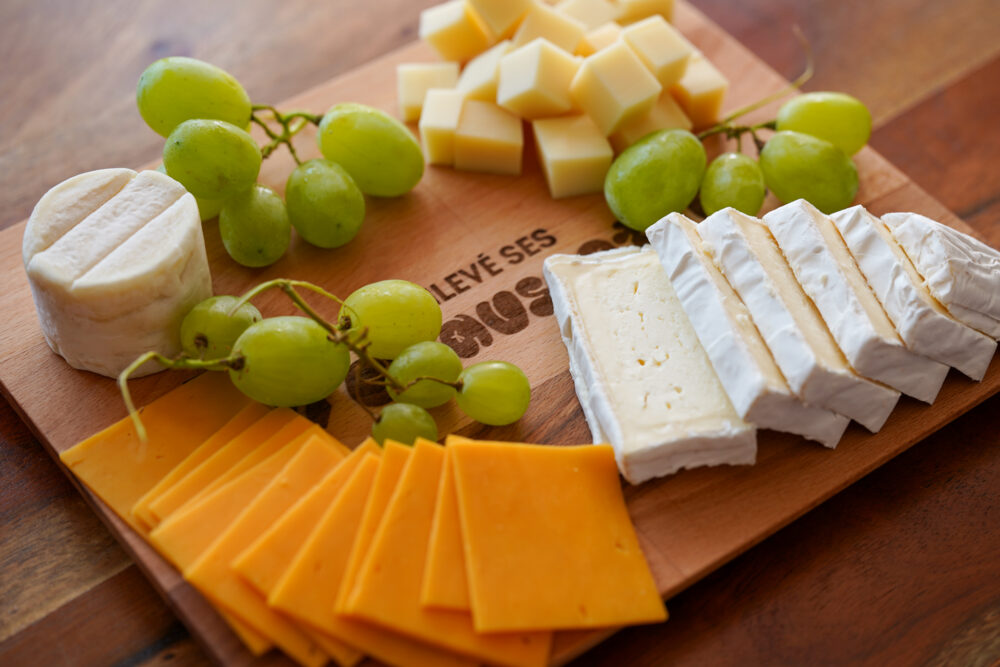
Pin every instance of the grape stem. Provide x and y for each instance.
(291, 123)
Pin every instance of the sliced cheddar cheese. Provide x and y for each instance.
(445, 585)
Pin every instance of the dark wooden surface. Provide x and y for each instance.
(901, 568)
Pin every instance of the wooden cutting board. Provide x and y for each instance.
(477, 242)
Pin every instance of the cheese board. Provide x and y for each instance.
(477, 243)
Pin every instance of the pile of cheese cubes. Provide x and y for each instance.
(591, 77)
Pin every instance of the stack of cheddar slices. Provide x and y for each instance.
(470, 553)
(798, 322)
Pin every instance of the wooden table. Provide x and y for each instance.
(901, 568)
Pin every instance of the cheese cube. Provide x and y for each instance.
(614, 87)
(413, 80)
(454, 30)
(544, 21)
(478, 80)
(534, 80)
(501, 16)
(631, 11)
(700, 91)
(442, 109)
(574, 154)
(488, 139)
(599, 38)
(666, 114)
(591, 13)
(660, 47)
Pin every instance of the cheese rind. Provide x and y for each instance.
(960, 271)
(645, 383)
(823, 265)
(800, 341)
(922, 322)
(725, 329)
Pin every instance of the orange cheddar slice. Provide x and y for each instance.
(217, 464)
(239, 423)
(445, 585)
(387, 591)
(120, 469)
(548, 539)
(264, 562)
(212, 575)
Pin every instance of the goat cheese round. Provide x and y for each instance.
(115, 259)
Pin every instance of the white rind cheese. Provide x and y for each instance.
(922, 322)
(805, 351)
(960, 271)
(824, 268)
(645, 383)
(115, 260)
(739, 355)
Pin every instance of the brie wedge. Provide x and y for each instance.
(115, 260)
(960, 271)
(739, 355)
(922, 322)
(828, 274)
(800, 341)
(643, 379)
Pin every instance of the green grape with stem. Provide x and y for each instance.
(733, 179)
(254, 227)
(428, 359)
(404, 423)
(494, 392)
(209, 329)
(393, 315)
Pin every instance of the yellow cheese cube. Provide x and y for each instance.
(574, 155)
(614, 87)
(488, 139)
(599, 38)
(591, 13)
(701, 91)
(501, 16)
(665, 114)
(454, 30)
(631, 11)
(544, 21)
(660, 47)
(478, 80)
(413, 80)
(442, 109)
(534, 80)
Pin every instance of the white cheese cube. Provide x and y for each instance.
(599, 38)
(642, 377)
(574, 155)
(701, 91)
(454, 30)
(501, 16)
(488, 139)
(438, 124)
(413, 80)
(534, 80)
(662, 49)
(613, 87)
(591, 13)
(478, 81)
(544, 21)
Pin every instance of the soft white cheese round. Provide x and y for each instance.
(115, 259)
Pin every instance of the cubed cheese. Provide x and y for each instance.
(488, 139)
(574, 155)
(478, 81)
(662, 49)
(415, 79)
(591, 13)
(701, 91)
(666, 114)
(544, 21)
(631, 11)
(598, 38)
(534, 80)
(454, 30)
(501, 16)
(614, 87)
(438, 124)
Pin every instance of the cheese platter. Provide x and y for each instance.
(476, 242)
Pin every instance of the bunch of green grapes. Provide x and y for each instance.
(807, 157)
(205, 115)
(391, 326)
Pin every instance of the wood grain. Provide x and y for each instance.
(30, 28)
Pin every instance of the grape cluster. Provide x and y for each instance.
(807, 157)
(298, 360)
(205, 115)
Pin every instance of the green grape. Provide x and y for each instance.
(324, 204)
(173, 90)
(378, 151)
(288, 361)
(207, 208)
(656, 175)
(396, 315)
(254, 227)
(404, 423)
(733, 179)
(835, 117)
(426, 359)
(213, 159)
(494, 392)
(800, 166)
(208, 331)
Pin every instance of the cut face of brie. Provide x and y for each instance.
(643, 379)
(739, 355)
(961, 272)
(115, 260)
(823, 265)
(922, 322)
(800, 341)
